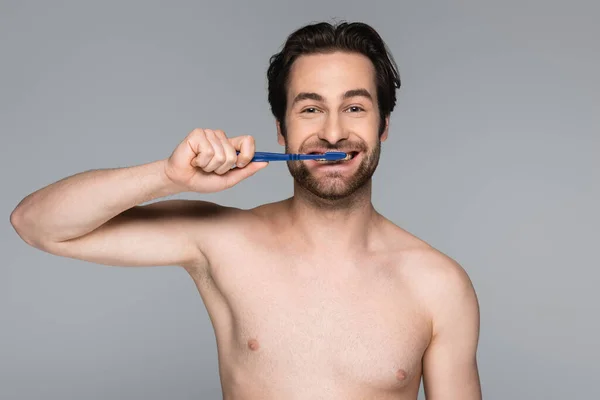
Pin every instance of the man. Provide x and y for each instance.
(316, 296)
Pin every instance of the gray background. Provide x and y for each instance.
(492, 158)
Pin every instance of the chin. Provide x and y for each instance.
(332, 186)
(337, 180)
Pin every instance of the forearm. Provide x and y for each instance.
(75, 206)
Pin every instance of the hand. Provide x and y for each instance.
(203, 161)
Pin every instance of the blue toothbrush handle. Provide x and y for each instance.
(260, 156)
(265, 156)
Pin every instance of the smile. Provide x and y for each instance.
(350, 156)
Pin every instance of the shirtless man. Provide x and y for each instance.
(314, 297)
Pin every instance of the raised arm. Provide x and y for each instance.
(97, 215)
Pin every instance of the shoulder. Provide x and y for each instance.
(429, 268)
(437, 275)
(439, 283)
(445, 292)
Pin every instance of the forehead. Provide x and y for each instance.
(331, 74)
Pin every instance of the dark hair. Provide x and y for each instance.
(324, 37)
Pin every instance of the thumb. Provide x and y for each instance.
(237, 175)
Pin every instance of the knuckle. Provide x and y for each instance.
(209, 151)
(219, 157)
(228, 147)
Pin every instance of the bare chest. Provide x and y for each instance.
(355, 323)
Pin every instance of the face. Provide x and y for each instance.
(332, 106)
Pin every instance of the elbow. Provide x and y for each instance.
(18, 220)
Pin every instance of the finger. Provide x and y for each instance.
(219, 153)
(246, 146)
(230, 153)
(237, 175)
(202, 148)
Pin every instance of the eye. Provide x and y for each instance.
(310, 110)
(355, 109)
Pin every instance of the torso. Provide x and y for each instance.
(296, 326)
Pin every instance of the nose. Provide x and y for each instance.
(332, 130)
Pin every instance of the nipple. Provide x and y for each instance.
(253, 344)
(401, 375)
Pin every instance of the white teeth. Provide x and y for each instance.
(349, 156)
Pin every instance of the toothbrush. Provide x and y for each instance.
(329, 156)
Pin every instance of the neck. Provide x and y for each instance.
(332, 225)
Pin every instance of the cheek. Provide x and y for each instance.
(364, 120)
(298, 130)
(303, 125)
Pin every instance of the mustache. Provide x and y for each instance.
(346, 147)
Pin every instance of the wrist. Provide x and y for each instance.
(167, 186)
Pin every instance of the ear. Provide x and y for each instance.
(384, 135)
(280, 138)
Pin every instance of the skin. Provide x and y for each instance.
(315, 296)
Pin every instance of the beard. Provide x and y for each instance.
(334, 185)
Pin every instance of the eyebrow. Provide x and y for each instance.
(317, 97)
